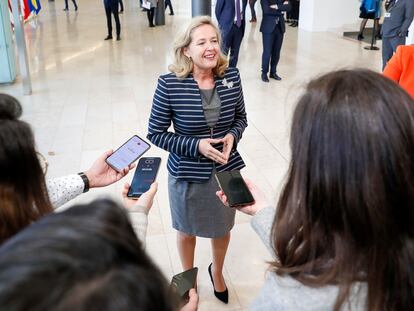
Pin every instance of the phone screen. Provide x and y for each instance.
(127, 153)
(234, 187)
(182, 283)
(144, 176)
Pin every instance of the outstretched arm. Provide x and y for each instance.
(63, 189)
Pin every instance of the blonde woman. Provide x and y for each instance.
(203, 99)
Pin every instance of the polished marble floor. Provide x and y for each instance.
(90, 95)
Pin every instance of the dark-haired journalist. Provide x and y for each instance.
(342, 235)
(25, 194)
(90, 259)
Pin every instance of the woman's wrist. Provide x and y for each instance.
(86, 181)
(138, 209)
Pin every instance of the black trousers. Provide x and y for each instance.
(294, 12)
(272, 44)
(121, 5)
(232, 42)
(150, 15)
(389, 46)
(168, 4)
(112, 10)
(251, 4)
(74, 3)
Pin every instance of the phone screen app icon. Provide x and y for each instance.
(128, 153)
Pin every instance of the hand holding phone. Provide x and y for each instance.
(145, 200)
(181, 283)
(144, 176)
(192, 304)
(128, 153)
(235, 189)
(101, 175)
(260, 200)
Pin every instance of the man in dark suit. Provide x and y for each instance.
(111, 7)
(397, 20)
(231, 15)
(272, 29)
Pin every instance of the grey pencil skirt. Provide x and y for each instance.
(196, 210)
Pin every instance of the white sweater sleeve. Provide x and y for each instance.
(262, 223)
(63, 189)
(139, 219)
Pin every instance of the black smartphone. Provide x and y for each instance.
(144, 176)
(235, 189)
(181, 283)
(128, 153)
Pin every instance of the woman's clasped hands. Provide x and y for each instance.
(205, 147)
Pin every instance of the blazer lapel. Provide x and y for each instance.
(221, 88)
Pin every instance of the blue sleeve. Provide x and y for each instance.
(240, 118)
(284, 7)
(267, 10)
(160, 121)
(219, 8)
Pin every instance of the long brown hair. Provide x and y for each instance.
(23, 194)
(90, 258)
(346, 213)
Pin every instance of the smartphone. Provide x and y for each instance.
(235, 189)
(181, 283)
(128, 153)
(144, 176)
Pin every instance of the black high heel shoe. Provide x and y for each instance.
(222, 296)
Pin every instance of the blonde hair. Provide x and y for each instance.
(182, 66)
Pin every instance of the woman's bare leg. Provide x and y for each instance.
(186, 246)
(219, 247)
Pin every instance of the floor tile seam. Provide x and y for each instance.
(267, 140)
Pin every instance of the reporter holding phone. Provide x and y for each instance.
(25, 194)
(342, 233)
(203, 99)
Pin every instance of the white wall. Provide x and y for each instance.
(322, 15)
(410, 39)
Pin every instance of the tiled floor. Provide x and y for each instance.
(90, 95)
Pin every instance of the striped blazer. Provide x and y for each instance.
(179, 101)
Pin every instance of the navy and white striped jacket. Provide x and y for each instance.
(179, 101)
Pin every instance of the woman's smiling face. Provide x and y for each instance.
(204, 48)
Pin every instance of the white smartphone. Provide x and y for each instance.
(128, 153)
